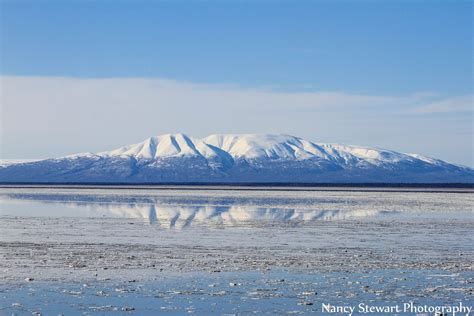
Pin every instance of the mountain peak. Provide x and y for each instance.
(163, 146)
(238, 158)
(264, 146)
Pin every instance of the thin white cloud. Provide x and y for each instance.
(458, 104)
(60, 92)
(52, 116)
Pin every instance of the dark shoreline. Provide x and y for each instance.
(262, 184)
(349, 187)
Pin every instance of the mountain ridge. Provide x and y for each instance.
(238, 158)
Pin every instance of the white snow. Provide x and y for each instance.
(239, 158)
(169, 145)
(255, 146)
(7, 162)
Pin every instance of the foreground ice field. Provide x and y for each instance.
(175, 251)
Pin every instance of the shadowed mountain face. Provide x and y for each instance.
(238, 159)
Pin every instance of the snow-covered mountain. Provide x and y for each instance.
(238, 159)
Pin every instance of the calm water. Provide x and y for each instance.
(226, 207)
(147, 251)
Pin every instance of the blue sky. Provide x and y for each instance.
(413, 58)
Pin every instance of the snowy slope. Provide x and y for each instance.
(7, 162)
(165, 146)
(239, 159)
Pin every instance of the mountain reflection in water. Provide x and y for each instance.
(179, 216)
(173, 214)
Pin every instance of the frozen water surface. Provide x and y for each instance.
(227, 251)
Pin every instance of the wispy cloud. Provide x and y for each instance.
(50, 116)
(138, 93)
(457, 104)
